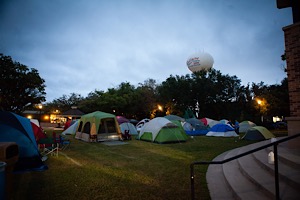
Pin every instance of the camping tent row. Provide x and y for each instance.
(100, 126)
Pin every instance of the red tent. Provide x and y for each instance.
(38, 132)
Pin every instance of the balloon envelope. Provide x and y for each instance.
(200, 61)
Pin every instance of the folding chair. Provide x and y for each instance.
(48, 146)
(64, 143)
(61, 141)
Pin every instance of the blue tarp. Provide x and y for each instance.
(197, 132)
(18, 129)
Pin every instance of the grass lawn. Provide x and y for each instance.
(136, 170)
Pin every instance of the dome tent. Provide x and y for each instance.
(196, 123)
(122, 119)
(162, 130)
(258, 133)
(222, 130)
(245, 125)
(18, 129)
(198, 127)
(174, 117)
(141, 123)
(129, 127)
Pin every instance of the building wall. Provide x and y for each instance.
(292, 50)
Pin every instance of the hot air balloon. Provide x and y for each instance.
(200, 61)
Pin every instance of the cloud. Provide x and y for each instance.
(81, 46)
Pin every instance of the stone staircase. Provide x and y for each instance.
(252, 177)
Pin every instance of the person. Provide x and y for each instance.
(68, 124)
(236, 127)
(126, 135)
(230, 123)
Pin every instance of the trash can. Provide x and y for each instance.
(9, 153)
(2, 180)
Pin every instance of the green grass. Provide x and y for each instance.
(137, 170)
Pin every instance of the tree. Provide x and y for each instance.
(19, 86)
(214, 92)
(91, 102)
(65, 102)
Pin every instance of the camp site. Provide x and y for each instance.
(94, 159)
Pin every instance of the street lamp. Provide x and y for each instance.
(159, 108)
(260, 104)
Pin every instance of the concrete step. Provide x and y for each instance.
(257, 169)
(290, 157)
(241, 186)
(252, 177)
(216, 182)
(288, 174)
(288, 162)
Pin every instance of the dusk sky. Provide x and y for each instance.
(83, 45)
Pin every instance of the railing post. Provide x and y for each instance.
(276, 171)
(192, 182)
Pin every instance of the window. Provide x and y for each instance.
(107, 126)
(87, 128)
(111, 126)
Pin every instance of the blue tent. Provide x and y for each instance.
(222, 130)
(15, 128)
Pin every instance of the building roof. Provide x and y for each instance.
(73, 113)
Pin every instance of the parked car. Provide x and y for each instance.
(281, 125)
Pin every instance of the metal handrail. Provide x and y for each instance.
(274, 144)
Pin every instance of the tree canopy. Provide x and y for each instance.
(19, 86)
(208, 93)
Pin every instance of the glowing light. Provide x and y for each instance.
(259, 101)
(159, 107)
(40, 106)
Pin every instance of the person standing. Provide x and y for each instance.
(237, 127)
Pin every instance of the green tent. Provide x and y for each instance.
(245, 125)
(98, 126)
(162, 130)
(258, 133)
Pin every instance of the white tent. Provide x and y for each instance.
(141, 123)
(128, 126)
(72, 129)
